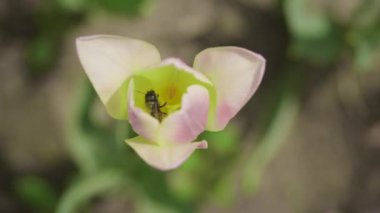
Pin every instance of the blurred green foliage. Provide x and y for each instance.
(314, 36)
(52, 23)
(36, 193)
(364, 34)
(317, 37)
(54, 19)
(105, 163)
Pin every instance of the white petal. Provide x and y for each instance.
(186, 124)
(163, 157)
(110, 60)
(236, 74)
(142, 123)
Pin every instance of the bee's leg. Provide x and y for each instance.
(163, 105)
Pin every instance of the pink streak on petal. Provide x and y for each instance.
(202, 145)
(236, 74)
(186, 124)
(224, 113)
(163, 157)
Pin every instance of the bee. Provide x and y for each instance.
(152, 103)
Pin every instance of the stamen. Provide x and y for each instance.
(172, 92)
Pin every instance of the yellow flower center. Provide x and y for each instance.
(169, 84)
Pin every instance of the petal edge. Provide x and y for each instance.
(163, 157)
(108, 62)
(236, 74)
(186, 124)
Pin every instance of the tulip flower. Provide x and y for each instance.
(169, 103)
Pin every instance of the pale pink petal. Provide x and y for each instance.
(110, 60)
(142, 123)
(186, 124)
(163, 157)
(236, 74)
(202, 145)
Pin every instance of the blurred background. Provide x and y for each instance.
(307, 142)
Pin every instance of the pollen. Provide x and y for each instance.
(172, 97)
(171, 92)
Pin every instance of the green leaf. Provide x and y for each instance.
(88, 187)
(271, 142)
